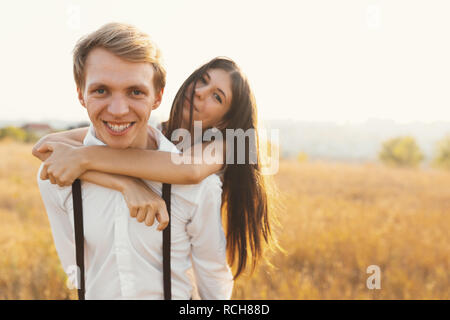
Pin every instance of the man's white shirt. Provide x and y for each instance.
(123, 257)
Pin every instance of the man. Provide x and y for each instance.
(120, 81)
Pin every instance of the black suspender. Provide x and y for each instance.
(79, 240)
(79, 236)
(166, 246)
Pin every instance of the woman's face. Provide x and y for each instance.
(212, 99)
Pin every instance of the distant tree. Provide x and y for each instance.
(302, 157)
(14, 133)
(442, 153)
(31, 137)
(401, 151)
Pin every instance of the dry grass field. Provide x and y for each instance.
(338, 219)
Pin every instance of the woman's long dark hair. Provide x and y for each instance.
(245, 197)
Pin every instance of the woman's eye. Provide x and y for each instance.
(203, 80)
(100, 91)
(217, 97)
(137, 92)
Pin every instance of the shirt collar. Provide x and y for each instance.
(162, 142)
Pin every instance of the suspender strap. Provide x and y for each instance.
(79, 240)
(166, 246)
(79, 236)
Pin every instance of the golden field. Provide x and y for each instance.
(337, 220)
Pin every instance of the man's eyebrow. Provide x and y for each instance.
(96, 84)
(141, 87)
(220, 90)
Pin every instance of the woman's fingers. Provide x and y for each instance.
(163, 217)
(133, 211)
(148, 215)
(45, 147)
(150, 219)
(52, 178)
(141, 214)
(44, 174)
(41, 155)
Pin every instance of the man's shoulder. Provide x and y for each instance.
(52, 191)
(164, 144)
(62, 196)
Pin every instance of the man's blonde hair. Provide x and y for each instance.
(126, 42)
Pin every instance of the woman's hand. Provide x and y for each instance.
(144, 204)
(52, 137)
(64, 164)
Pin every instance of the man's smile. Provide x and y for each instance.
(118, 128)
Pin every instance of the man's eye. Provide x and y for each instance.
(217, 97)
(100, 91)
(137, 92)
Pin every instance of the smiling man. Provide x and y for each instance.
(119, 96)
(120, 80)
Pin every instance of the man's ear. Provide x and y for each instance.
(81, 97)
(158, 99)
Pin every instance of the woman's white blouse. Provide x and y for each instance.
(123, 258)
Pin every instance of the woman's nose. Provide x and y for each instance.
(201, 91)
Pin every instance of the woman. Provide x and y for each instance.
(217, 94)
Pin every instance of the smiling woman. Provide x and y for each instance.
(210, 100)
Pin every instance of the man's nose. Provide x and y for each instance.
(118, 106)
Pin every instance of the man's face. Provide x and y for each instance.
(119, 97)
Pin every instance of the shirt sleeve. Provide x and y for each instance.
(208, 242)
(62, 230)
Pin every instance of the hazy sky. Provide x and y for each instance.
(310, 60)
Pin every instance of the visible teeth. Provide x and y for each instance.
(118, 128)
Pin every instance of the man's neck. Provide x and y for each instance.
(152, 139)
(146, 140)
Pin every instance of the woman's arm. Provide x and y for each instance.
(154, 165)
(73, 137)
(67, 162)
(143, 203)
